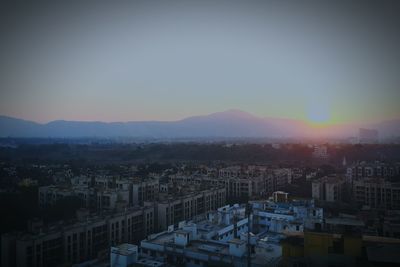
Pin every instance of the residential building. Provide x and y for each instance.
(125, 255)
(377, 193)
(219, 240)
(76, 242)
(230, 172)
(175, 208)
(372, 169)
(289, 218)
(145, 190)
(320, 152)
(328, 188)
(279, 196)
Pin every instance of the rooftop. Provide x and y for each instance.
(344, 221)
(124, 249)
(237, 241)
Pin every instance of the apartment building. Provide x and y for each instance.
(245, 187)
(328, 188)
(219, 240)
(102, 192)
(145, 190)
(391, 224)
(286, 217)
(230, 172)
(320, 152)
(110, 198)
(236, 187)
(67, 244)
(377, 193)
(252, 181)
(90, 197)
(174, 209)
(372, 169)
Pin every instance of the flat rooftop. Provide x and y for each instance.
(125, 249)
(344, 221)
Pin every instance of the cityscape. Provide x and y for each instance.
(200, 134)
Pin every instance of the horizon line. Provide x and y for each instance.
(305, 121)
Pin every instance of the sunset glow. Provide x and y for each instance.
(155, 61)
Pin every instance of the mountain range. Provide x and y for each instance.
(230, 124)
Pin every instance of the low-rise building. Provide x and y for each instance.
(219, 240)
(286, 218)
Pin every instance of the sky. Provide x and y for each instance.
(317, 61)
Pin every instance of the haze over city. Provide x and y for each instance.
(200, 133)
(320, 63)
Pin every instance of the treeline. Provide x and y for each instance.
(245, 153)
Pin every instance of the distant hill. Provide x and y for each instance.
(231, 123)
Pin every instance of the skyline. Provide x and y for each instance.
(317, 123)
(227, 124)
(322, 64)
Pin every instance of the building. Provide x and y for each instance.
(279, 196)
(236, 187)
(245, 187)
(76, 242)
(219, 240)
(49, 195)
(178, 207)
(110, 198)
(146, 190)
(377, 193)
(320, 152)
(372, 169)
(321, 249)
(125, 255)
(230, 172)
(328, 188)
(283, 177)
(99, 198)
(340, 243)
(242, 183)
(102, 192)
(391, 224)
(289, 218)
(224, 224)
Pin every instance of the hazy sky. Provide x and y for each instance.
(166, 60)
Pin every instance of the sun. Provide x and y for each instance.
(318, 115)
